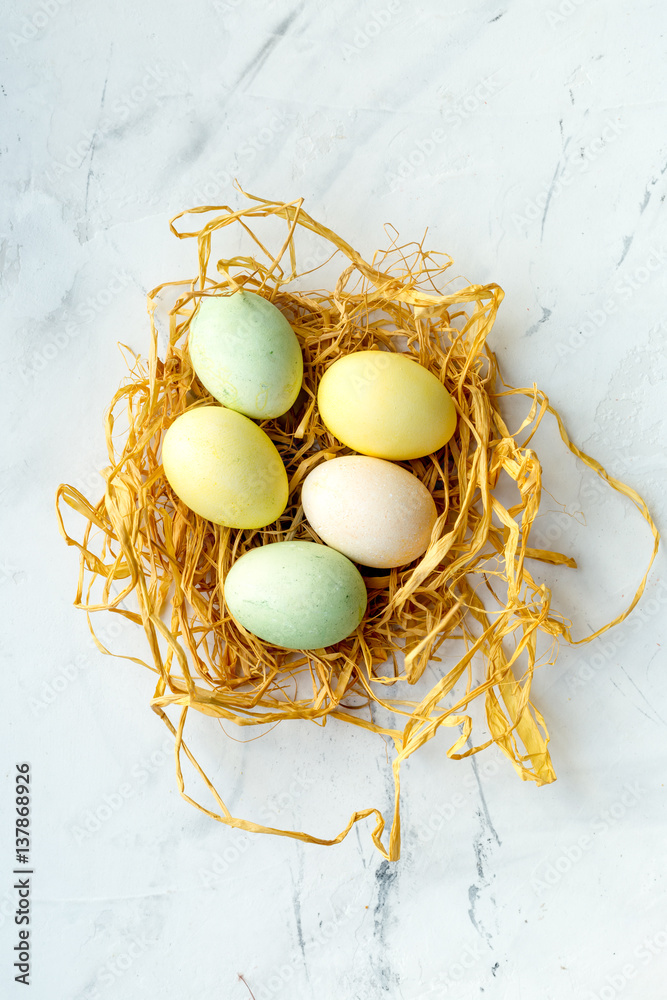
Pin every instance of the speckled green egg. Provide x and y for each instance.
(299, 595)
(246, 354)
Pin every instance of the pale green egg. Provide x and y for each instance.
(246, 354)
(299, 595)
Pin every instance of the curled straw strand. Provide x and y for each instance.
(140, 542)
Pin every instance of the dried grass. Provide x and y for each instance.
(140, 542)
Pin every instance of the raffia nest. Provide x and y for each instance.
(472, 589)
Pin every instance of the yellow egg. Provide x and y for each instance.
(374, 512)
(246, 354)
(225, 468)
(386, 405)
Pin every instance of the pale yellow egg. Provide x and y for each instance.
(386, 405)
(225, 468)
(374, 512)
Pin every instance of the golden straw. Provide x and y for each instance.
(141, 543)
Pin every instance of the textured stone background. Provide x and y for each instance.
(529, 137)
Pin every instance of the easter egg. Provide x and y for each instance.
(246, 354)
(385, 405)
(299, 595)
(225, 468)
(372, 511)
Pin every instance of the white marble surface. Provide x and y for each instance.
(529, 136)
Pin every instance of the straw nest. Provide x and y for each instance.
(147, 557)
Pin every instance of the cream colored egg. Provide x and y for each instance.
(225, 468)
(374, 512)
